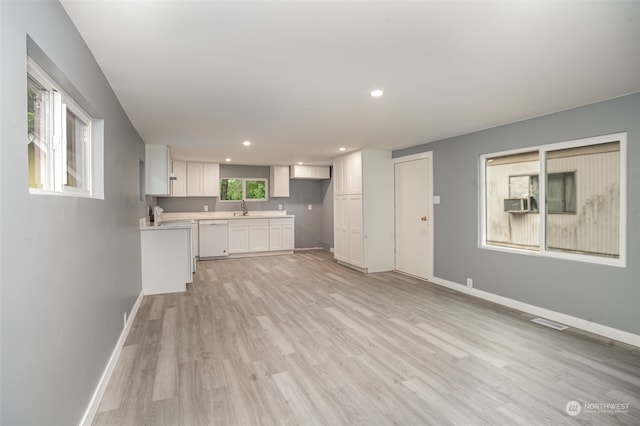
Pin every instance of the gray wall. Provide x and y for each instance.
(302, 192)
(70, 267)
(604, 294)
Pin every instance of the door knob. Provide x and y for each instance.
(423, 218)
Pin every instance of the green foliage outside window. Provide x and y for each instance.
(231, 189)
(237, 189)
(256, 189)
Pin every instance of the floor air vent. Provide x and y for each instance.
(549, 324)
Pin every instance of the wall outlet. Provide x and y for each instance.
(279, 206)
(206, 208)
(310, 207)
(125, 319)
(436, 199)
(469, 283)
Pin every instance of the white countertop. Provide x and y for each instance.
(183, 219)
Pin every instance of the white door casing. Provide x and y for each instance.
(413, 188)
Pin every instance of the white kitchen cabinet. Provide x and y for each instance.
(203, 179)
(238, 238)
(194, 179)
(248, 235)
(166, 255)
(281, 234)
(363, 211)
(279, 181)
(310, 172)
(179, 184)
(348, 239)
(157, 165)
(195, 234)
(259, 237)
(210, 180)
(347, 172)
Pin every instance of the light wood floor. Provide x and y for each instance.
(298, 339)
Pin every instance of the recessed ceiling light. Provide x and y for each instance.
(246, 143)
(227, 159)
(376, 93)
(342, 148)
(300, 163)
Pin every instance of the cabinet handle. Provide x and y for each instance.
(423, 218)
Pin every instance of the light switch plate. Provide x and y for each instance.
(436, 199)
(310, 207)
(206, 208)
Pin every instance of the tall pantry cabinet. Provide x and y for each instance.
(363, 211)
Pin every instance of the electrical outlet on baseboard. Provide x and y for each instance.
(469, 283)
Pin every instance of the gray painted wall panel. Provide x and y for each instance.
(70, 267)
(603, 294)
(309, 223)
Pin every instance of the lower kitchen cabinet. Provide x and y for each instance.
(281, 234)
(238, 238)
(167, 259)
(249, 236)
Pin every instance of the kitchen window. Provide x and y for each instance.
(576, 212)
(237, 189)
(58, 138)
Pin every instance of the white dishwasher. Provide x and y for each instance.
(213, 238)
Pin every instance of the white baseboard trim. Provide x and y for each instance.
(582, 324)
(92, 409)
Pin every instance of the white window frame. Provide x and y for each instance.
(59, 102)
(244, 190)
(621, 261)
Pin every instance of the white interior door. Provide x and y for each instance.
(414, 215)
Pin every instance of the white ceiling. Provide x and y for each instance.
(294, 77)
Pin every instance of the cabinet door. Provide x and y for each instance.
(275, 237)
(179, 184)
(157, 164)
(356, 242)
(288, 237)
(211, 179)
(341, 228)
(338, 176)
(354, 172)
(194, 179)
(279, 185)
(238, 239)
(259, 238)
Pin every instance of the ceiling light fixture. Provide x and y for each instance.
(246, 143)
(342, 149)
(227, 159)
(376, 93)
(300, 163)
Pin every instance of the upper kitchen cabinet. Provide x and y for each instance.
(179, 181)
(347, 174)
(310, 172)
(157, 167)
(203, 179)
(279, 185)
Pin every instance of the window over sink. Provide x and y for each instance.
(238, 189)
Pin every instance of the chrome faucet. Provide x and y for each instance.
(245, 211)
